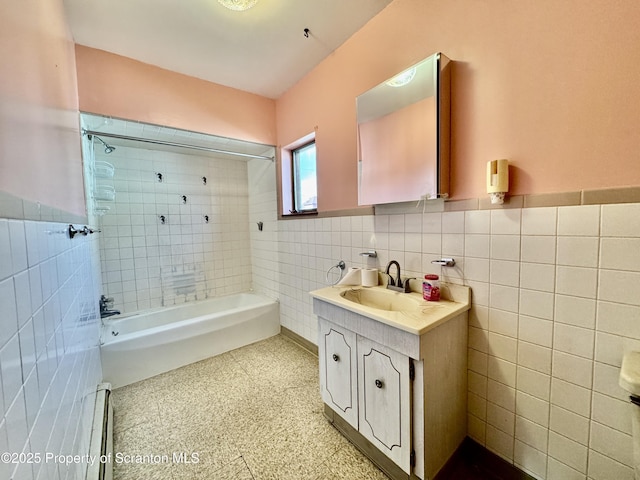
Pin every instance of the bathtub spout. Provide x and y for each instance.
(109, 313)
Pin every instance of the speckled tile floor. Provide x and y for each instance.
(250, 414)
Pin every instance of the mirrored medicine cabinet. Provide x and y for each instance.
(403, 135)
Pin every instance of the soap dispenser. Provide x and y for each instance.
(497, 180)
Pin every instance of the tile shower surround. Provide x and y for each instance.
(263, 207)
(555, 305)
(143, 260)
(49, 355)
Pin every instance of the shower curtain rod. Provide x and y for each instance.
(174, 144)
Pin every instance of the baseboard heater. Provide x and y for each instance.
(101, 447)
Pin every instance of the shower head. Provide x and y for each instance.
(107, 148)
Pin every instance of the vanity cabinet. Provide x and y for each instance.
(368, 385)
(338, 364)
(383, 396)
(398, 394)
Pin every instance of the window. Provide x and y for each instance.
(298, 186)
(305, 187)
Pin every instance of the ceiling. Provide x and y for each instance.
(262, 50)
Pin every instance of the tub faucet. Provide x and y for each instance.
(104, 307)
(104, 303)
(397, 284)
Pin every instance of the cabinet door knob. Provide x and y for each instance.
(379, 383)
(335, 357)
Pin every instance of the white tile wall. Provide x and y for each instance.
(264, 244)
(556, 304)
(49, 353)
(147, 264)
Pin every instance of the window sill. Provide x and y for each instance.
(307, 213)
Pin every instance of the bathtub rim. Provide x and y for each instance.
(108, 323)
(151, 310)
(136, 359)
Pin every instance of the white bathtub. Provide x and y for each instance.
(145, 344)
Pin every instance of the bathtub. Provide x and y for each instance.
(148, 343)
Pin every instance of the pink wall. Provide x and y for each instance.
(40, 157)
(552, 86)
(120, 87)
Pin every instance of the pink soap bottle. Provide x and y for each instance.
(431, 288)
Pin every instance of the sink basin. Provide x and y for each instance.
(383, 299)
(405, 311)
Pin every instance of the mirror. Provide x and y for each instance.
(403, 135)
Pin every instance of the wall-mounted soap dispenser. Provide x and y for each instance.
(497, 180)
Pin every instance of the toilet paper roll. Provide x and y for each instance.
(369, 277)
(352, 277)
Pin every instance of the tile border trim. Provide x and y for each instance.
(20, 209)
(16, 208)
(604, 196)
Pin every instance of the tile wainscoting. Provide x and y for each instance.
(556, 304)
(49, 336)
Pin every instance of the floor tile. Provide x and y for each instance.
(348, 462)
(252, 413)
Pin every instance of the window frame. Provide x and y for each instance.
(295, 179)
(285, 178)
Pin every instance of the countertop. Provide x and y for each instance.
(456, 299)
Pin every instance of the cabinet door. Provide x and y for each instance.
(384, 400)
(337, 359)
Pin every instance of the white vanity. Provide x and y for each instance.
(393, 373)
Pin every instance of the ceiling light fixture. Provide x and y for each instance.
(238, 5)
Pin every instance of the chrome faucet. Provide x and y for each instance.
(104, 307)
(397, 284)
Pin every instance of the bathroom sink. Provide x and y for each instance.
(405, 311)
(382, 299)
